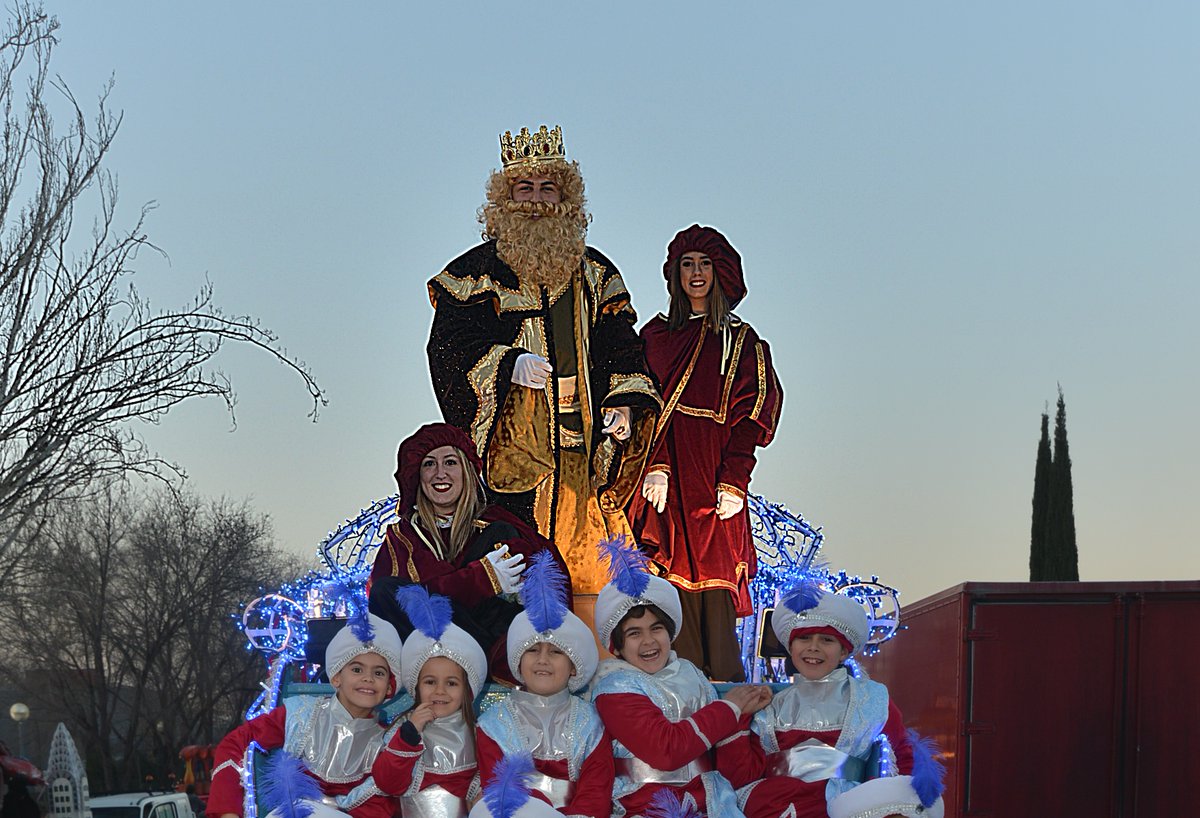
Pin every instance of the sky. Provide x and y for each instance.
(945, 210)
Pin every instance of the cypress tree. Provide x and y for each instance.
(1062, 552)
(1039, 530)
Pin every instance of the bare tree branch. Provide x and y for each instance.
(83, 353)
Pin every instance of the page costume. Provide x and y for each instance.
(409, 554)
(569, 748)
(664, 725)
(435, 770)
(722, 400)
(820, 739)
(544, 452)
(340, 751)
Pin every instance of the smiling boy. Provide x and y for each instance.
(552, 654)
(829, 731)
(662, 713)
(337, 737)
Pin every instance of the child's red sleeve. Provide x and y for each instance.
(593, 791)
(740, 758)
(487, 755)
(393, 767)
(898, 736)
(226, 794)
(635, 721)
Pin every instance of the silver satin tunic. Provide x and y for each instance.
(544, 725)
(338, 747)
(813, 705)
(685, 691)
(448, 749)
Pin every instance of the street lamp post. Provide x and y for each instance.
(18, 713)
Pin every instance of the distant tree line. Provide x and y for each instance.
(124, 625)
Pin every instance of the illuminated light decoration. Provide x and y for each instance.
(267, 700)
(273, 623)
(887, 758)
(351, 549)
(246, 771)
(787, 548)
(882, 603)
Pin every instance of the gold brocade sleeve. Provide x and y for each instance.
(521, 454)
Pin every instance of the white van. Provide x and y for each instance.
(142, 805)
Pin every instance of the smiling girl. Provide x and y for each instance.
(451, 542)
(431, 759)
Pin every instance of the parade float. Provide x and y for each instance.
(278, 623)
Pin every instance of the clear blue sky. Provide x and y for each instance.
(944, 210)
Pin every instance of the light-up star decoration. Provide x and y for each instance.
(787, 546)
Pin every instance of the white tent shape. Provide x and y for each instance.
(67, 777)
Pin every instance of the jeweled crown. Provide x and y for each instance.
(544, 146)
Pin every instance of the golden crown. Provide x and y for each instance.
(543, 146)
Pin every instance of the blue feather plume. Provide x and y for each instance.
(802, 595)
(351, 590)
(287, 786)
(544, 592)
(928, 772)
(665, 804)
(627, 566)
(428, 613)
(508, 790)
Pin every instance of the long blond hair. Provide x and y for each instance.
(469, 508)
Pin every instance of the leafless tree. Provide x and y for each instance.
(83, 354)
(130, 634)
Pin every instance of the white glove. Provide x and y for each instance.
(654, 489)
(508, 569)
(616, 422)
(531, 370)
(728, 504)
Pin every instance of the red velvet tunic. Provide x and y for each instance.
(405, 554)
(593, 791)
(467, 579)
(226, 795)
(705, 439)
(743, 761)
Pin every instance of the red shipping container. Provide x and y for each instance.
(1054, 698)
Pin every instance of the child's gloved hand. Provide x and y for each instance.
(508, 569)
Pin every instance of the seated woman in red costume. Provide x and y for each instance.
(722, 401)
(450, 541)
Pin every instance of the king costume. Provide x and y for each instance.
(545, 456)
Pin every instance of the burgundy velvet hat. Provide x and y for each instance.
(726, 261)
(420, 443)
